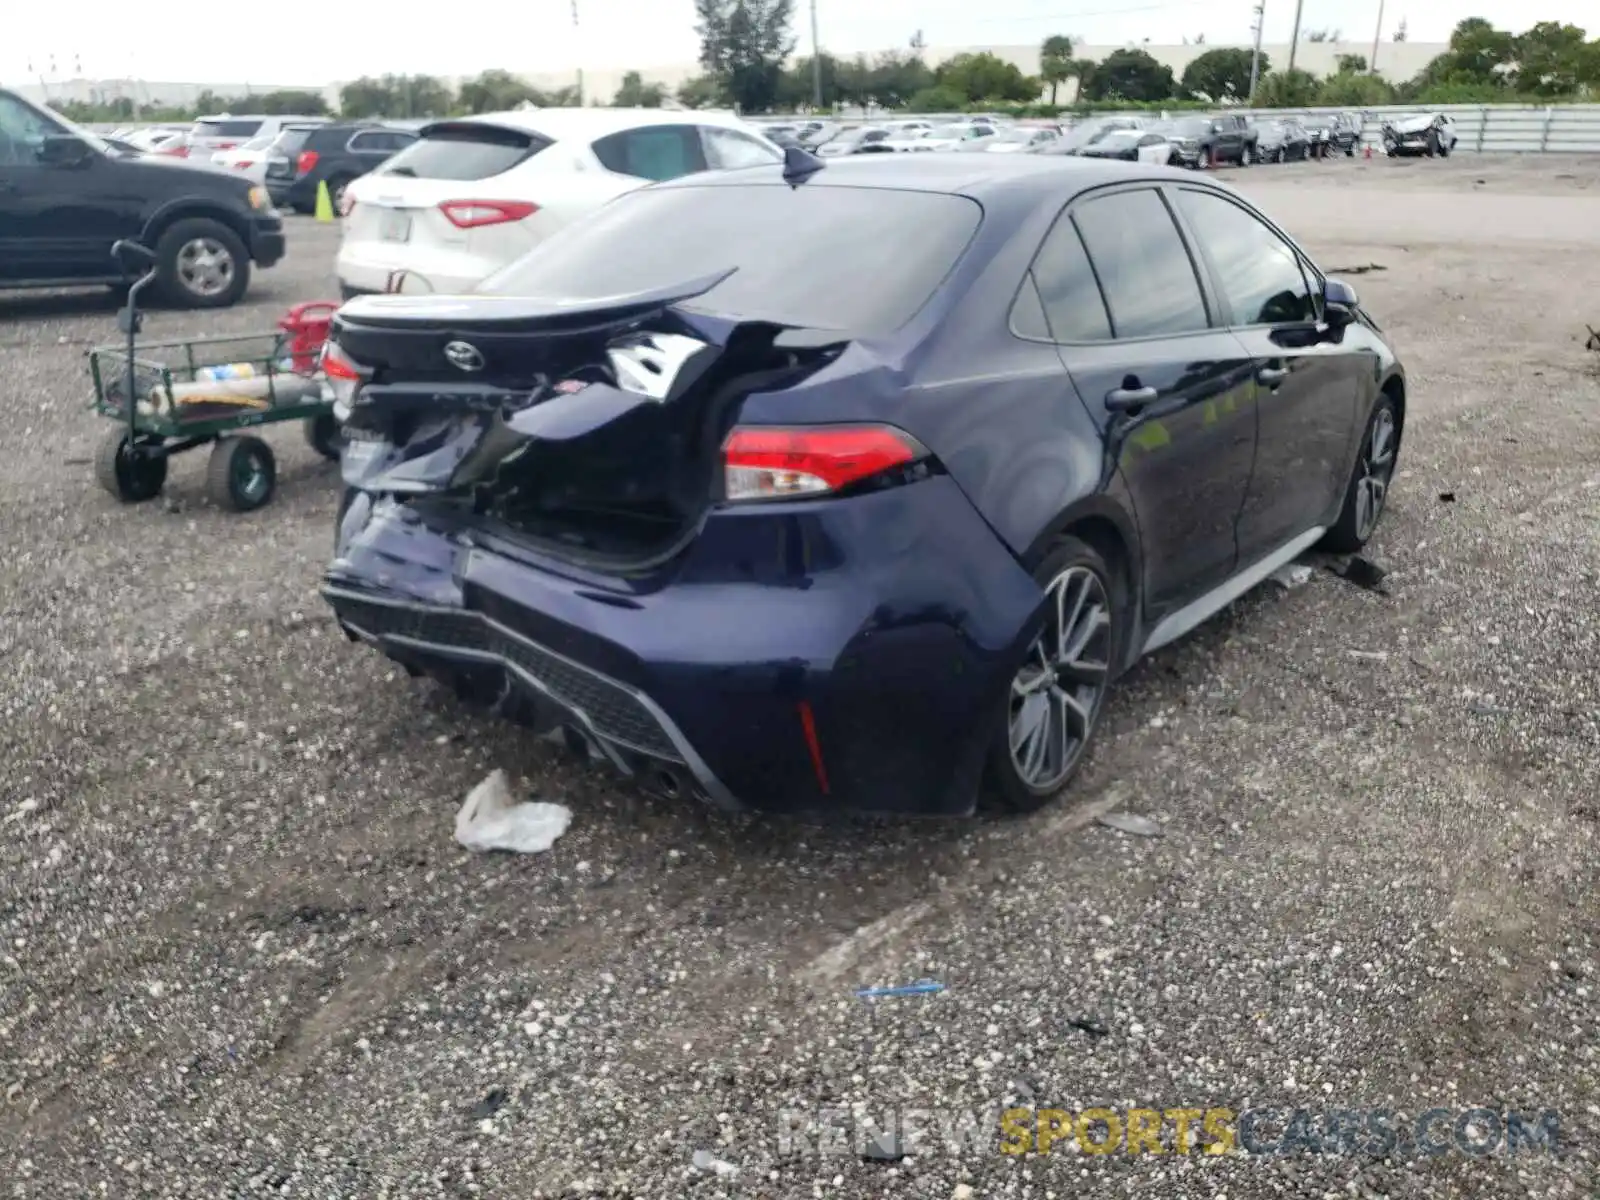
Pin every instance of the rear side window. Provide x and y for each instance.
(291, 141)
(1150, 285)
(1073, 305)
(465, 151)
(226, 129)
(729, 149)
(655, 152)
(858, 260)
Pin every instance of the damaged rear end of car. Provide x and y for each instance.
(682, 522)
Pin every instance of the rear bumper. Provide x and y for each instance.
(267, 243)
(848, 656)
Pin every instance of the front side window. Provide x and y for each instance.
(655, 152)
(23, 131)
(1258, 272)
(1150, 285)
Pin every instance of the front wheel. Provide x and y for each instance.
(325, 436)
(1053, 706)
(1368, 489)
(201, 263)
(242, 473)
(1247, 156)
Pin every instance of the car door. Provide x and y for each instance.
(60, 217)
(1307, 383)
(1154, 150)
(1168, 388)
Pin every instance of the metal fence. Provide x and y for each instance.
(1491, 128)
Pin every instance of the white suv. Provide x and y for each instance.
(210, 136)
(471, 195)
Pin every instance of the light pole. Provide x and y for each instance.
(816, 61)
(578, 40)
(1376, 34)
(1255, 55)
(1294, 41)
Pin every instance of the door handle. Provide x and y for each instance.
(1272, 376)
(1124, 399)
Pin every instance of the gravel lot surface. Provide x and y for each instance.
(242, 954)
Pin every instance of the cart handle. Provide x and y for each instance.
(299, 311)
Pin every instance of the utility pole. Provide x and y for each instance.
(579, 43)
(1294, 42)
(1255, 55)
(816, 62)
(1377, 33)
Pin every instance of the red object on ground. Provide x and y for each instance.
(307, 326)
(1368, 152)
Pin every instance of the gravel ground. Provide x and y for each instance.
(242, 954)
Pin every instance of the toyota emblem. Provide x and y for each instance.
(464, 356)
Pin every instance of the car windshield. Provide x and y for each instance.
(949, 131)
(463, 151)
(1120, 137)
(1192, 127)
(1318, 122)
(858, 260)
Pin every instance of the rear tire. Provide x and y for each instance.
(1051, 711)
(324, 436)
(242, 473)
(201, 263)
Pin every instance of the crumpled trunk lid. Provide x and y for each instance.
(592, 428)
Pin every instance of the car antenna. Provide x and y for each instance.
(799, 165)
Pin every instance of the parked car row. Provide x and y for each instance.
(1201, 142)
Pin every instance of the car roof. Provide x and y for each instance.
(589, 123)
(1015, 177)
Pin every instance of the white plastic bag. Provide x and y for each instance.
(490, 820)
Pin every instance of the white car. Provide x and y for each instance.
(158, 139)
(208, 135)
(1419, 133)
(249, 160)
(1012, 140)
(948, 137)
(471, 195)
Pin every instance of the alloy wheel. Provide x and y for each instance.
(1057, 693)
(1377, 466)
(205, 266)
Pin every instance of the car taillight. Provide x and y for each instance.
(472, 214)
(243, 165)
(225, 145)
(177, 151)
(345, 379)
(307, 160)
(347, 204)
(765, 463)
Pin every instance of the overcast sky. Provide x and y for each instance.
(205, 41)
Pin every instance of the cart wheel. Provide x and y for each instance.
(125, 472)
(324, 435)
(242, 473)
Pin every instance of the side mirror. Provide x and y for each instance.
(1339, 303)
(63, 150)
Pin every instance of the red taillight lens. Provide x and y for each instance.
(472, 214)
(225, 146)
(761, 463)
(177, 151)
(307, 160)
(345, 378)
(245, 165)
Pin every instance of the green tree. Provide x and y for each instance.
(636, 93)
(743, 44)
(1220, 74)
(1552, 60)
(896, 76)
(795, 87)
(703, 91)
(938, 99)
(498, 91)
(1293, 88)
(1479, 55)
(1055, 62)
(986, 76)
(1129, 75)
(1083, 70)
(394, 96)
(1351, 64)
(291, 103)
(1349, 89)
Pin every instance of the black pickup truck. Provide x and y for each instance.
(67, 195)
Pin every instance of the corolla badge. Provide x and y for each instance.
(464, 355)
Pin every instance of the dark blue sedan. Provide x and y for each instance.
(852, 486)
